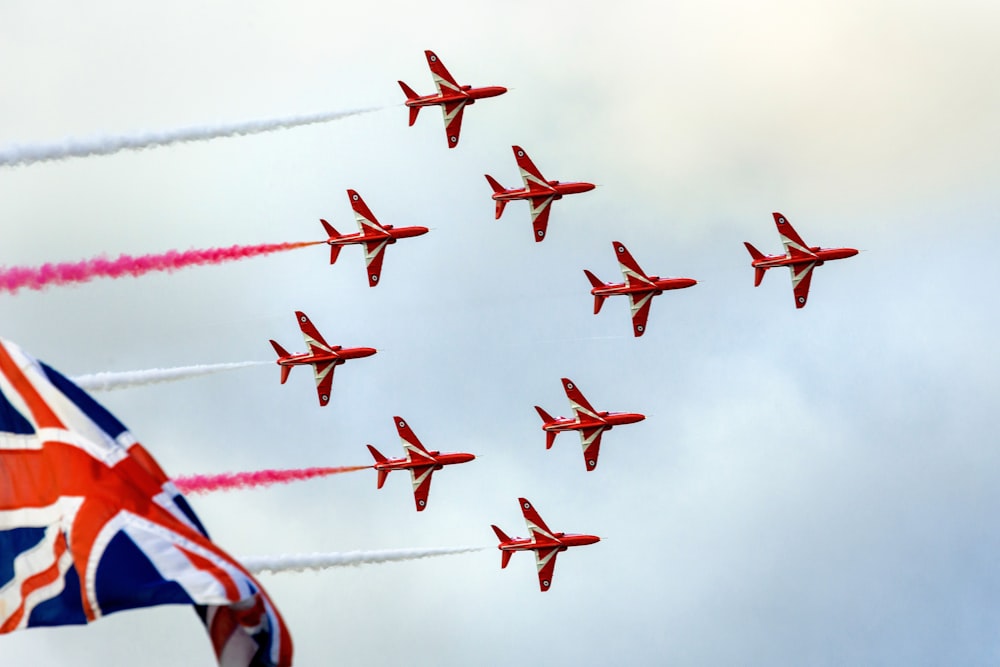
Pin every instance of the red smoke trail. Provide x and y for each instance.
(39, 277)
(228, 481)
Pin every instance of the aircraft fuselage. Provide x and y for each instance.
(556, 190)
(821, 255)
(392, 233)
(561, 541)
(468, 94)
(658, 286)
(606, 419)
(440, 460)
(337, 356)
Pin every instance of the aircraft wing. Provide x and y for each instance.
(415, 451)
(314, 341)
(421, 477)
(590, 438)
(545, 560)
(533, 179)
(324, 380)
(795, 247)
(639, 304)
(536, 526)
(453, 120)
(374, 254)
(633, 274)
(801, 277)
(540, 216)
(582, 409)
(443, 79)
(367, 222)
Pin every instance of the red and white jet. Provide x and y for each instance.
(451, 97)
(321, 356)
(589, 422)
(639, 287)
(545, 543)
(539, 192)
(800, 258)
(373, 236)
(419, 461)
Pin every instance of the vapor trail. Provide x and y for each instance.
(322, 561)
(69, 148)
(14, 278)
(229, 481)
(109, 381)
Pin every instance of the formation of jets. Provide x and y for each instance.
(418, 460)
(638, 286)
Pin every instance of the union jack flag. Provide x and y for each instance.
(90, 525)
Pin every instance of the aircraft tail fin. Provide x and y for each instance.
(379, 458)
(332, 232)
(595, 282)
(504, 555)
(754, 253)
(495, 184)
(550, 436)
(282, 352)
(758, 271)
(410, 95)
(497, 189)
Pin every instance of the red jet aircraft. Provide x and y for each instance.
(589, 422)
(539, 192)
(373, 236)
(799, 258)
(545, 543)
(451, 97)
(321, 356)
(639, 287)
(420, 462)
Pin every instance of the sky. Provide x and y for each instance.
(814, 486)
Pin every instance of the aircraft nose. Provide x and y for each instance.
(366, 351)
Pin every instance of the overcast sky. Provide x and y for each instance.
(809, 487)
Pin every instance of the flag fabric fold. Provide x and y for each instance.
(90, 525)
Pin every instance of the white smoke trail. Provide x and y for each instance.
(109, 381)
(322, 561)
(69, 148)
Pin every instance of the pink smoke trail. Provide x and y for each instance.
(229, 481)
(39, 277)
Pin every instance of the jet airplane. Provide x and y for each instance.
(589, 422)
(451, 97)
(324, 358)
(539, 192)
(639, 287)
(373, 236)
(419, 461)
(545, 543)
(800, 259)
